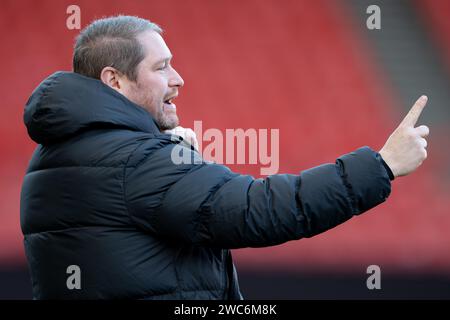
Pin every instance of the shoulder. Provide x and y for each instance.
(98, 148)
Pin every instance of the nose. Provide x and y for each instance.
(176, 80)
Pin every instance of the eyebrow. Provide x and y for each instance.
(163, 60)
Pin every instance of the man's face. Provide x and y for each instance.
(157, 82)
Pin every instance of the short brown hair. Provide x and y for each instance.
(111, 42)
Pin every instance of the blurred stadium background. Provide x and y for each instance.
(309, 68)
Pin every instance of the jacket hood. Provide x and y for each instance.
(66, 103)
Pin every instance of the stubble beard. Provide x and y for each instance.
(165, 121)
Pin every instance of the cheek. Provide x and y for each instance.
(154, 90)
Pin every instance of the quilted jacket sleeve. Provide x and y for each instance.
(207, 204)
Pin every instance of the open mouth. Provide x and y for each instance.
(169, 105)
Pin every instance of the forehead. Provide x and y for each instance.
(154, 45)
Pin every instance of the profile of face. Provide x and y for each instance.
(157, 81)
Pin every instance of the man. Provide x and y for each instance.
(102, 196)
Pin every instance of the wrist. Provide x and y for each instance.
(387, 164)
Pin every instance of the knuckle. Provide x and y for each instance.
(416, 142)
(409, 131)
(419, 142)
(423, 131)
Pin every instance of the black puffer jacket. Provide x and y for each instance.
(102, 193)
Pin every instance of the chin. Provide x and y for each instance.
(168, 123)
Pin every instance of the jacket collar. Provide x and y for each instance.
(66, 103)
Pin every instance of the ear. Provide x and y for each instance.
(112, 78)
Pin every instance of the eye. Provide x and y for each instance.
(163, 67)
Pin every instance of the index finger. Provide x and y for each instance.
(414, 114)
